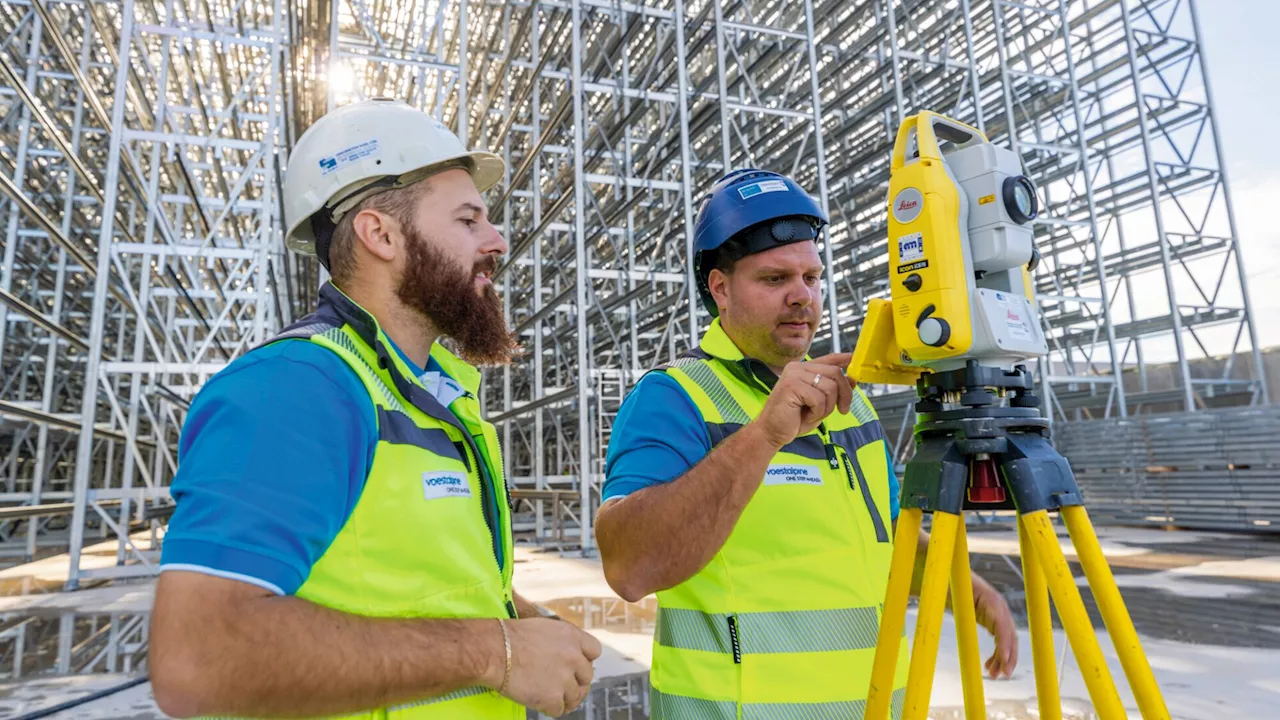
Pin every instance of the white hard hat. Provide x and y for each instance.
(360, 149)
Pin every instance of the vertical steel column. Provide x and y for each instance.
(464, 114)
(899, 101)
(97, 322)
(1258, 368)
(539, 430)
(980, 120)
(820, 150)
(686, 169)
(20, 175)
(585, 458)
(154, 207)
(507, 451)
(1115, 218)
(1116, 374)
(267, 235)
(722, 82)
(59, 291)
(334, 58)
(1153, 184)
(66, 633)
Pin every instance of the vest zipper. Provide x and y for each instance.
(733, 640)
(882, 535)
(488, 501)
(828, 447)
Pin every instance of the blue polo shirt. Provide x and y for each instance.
(272, 459)
(659, 434)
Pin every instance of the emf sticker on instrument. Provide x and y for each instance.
(911, 247)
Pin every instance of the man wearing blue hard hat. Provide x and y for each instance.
(749, 486)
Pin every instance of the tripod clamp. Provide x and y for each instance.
(980, 456)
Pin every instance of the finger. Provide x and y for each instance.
(572, 702)
(569, 701)
(840, 360)
(583, 672)
(814, 399)
(570, 697)
(830, 394)
(1010, 648)
(843, 385)
(844, 395)
(591, 646)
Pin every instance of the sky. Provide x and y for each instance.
(1239, 40)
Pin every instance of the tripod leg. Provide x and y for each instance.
(1080, 633)
(975, 706)
(933, 601)
(894, 616)
(1119, 625)
(1042, 648)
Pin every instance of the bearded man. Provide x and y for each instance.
(342, 538)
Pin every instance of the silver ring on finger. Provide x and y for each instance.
(817, 379)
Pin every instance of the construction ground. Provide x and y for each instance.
(142, 146)
(1206, 606)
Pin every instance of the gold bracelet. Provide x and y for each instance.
(506, 640)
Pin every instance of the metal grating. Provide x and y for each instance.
(1211, 470)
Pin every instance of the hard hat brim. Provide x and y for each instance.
(489, 169)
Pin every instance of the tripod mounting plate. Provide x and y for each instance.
(1030, 469)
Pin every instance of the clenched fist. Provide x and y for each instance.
(551, 667)
(805, 394)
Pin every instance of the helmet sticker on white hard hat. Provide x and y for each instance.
(764, 186)
(348, 155)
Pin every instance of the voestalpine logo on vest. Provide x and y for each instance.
(437, 485)
(793, 475)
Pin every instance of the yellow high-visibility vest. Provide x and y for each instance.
(425, 537)
(782, 623)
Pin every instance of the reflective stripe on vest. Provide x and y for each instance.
(783, 621)
(664, 706)
(769, 632)
(455, 695)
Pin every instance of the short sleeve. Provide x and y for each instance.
(657, 436)
(271, 461)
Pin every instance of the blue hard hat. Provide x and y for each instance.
(762, 209)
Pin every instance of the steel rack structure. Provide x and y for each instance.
(142, 143)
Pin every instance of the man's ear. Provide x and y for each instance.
(373, 230)
(718, 284)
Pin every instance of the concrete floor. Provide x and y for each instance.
(1207, 607)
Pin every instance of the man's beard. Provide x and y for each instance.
(445, 293)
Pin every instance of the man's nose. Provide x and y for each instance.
(799, 294)
(495, 243)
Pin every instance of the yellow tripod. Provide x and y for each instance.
(999, 458)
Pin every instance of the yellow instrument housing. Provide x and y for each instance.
(942, 266)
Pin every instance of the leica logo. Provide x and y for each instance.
(907, 205)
